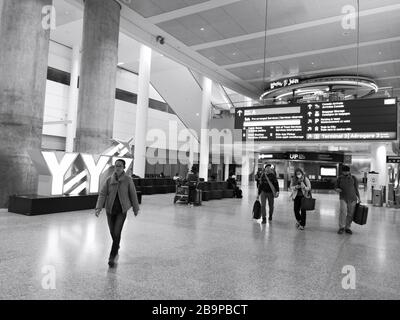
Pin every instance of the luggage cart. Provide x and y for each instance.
(182, 194)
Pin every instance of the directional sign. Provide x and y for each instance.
(365, 119)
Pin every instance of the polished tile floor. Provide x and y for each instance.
(215, 251)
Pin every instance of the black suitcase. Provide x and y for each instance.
(360, 214)
(239, 193)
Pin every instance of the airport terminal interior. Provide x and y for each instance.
(199, 149)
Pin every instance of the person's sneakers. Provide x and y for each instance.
(301, 228)
(264, 221)
(270, 218)
(340, 231)
(349, 231)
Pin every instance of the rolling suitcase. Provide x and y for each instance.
(360, 214)
(198, 197)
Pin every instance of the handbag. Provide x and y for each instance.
(308, 204)
(257, 210)
(276, 194)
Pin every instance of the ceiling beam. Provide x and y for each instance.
(291, 28)
(329, 70)
(172, 15)
(311, 52)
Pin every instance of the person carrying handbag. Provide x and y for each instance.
(301, 187)
(268, 189)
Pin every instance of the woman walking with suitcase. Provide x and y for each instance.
(301, 187)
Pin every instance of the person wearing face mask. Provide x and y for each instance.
(347, 187)
(118, 193)
(300, 186)
(268, 189)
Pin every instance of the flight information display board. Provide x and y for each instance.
(369, 119)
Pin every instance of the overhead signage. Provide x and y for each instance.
(392, 159)
(368, 119)
(305, 156)
(283, 83)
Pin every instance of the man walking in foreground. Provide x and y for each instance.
(347, 187)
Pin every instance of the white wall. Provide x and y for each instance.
(56, 102)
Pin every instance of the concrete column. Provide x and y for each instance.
(246, 169)
(24, 47)
(139, 165)
(98, 76)
(73, 99)
(205, 119)
(378, 161)
(226, 170)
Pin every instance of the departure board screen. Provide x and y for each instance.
(369, 119)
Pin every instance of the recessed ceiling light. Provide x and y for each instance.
(234, 54)
(312, 62)
(258, 71)
(380, 52)
(66, 12)
(197, 114)
(201, 29)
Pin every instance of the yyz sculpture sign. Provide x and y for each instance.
(62, 173)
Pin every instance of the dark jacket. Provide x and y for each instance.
(126, 194)
(349, 186)
(232, 184)
(264, 185)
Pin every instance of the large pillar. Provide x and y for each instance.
(24, 47)
(205, 119)
(73, 99)
(378, 161)
(98, 76)
(246, 171)
(139, 165)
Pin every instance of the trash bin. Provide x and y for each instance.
(377, 197)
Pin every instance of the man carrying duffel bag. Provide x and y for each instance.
(347, 187)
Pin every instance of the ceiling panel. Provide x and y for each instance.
(394, 83)
(149, 8)
(315, 62)
(309, 39)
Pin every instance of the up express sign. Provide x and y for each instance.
(62, 173)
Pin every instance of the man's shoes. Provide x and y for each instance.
(264, 221)
(340, 231)
(270, 218)
(349, 231)
(301, 228)
(111, 262)
(297, 224)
